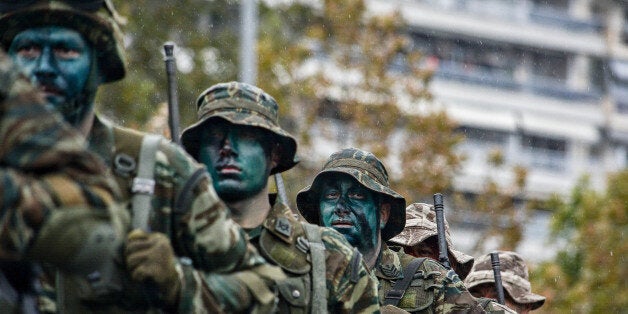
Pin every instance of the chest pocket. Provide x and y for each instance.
(418, 296)
(295, 294)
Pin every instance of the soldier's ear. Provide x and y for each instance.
(275, 155)
(384, 214)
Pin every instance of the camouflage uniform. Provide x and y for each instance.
(514, 274)
(46, 173)
(184, 204)
(282, 237)
(434, 289)
(421, 225)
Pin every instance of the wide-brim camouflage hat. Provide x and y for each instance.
(241, 104)
(96, 20)
(514, 273)
(366, 169)
(421, 225)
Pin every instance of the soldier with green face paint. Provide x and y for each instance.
(352, 195)
(68, 49)
(240, 141)
(47, 176)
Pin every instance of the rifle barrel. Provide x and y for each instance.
(498, 277)
(443, 258)
(173, 97)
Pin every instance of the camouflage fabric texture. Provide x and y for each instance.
(350, 288)
(514, 273)
(420, 225)
(45, 167)
(97, 21)
(241, 104)
(186, 203)
(368, 171)
(434, 289)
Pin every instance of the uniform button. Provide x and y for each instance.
(296, 294)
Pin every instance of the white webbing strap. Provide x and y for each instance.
(143, 184)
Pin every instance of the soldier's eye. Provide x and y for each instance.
(358, 195)
(333, 194)
(66, 53)
(29, 51)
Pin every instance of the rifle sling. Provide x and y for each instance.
(144, 184)
(393, 296)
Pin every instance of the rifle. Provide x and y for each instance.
(498, 277)
(281, 189)
(173, 98)
(443, 257)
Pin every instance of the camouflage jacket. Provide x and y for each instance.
(434, 289)
(185, 207)
(45, 166)
(282, 240)
(46, 169)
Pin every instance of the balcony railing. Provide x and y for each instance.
(520, 10)
(504, 79)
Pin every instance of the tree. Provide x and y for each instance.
(500, 207)
(589, 274)
(381, 100)
(205, 37)
(341, 69)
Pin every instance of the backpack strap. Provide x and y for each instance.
(143, 186)
(317, 253)
(394, 295)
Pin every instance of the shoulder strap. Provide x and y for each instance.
(144, 184)
(394, 295)
(317, 252)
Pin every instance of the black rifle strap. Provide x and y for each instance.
(394, 295)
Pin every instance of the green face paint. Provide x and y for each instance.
(56, 59)
(350, 209)
(236, 158)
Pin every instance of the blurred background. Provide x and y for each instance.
(515, 110)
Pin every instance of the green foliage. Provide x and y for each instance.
(205, 37)
(387, 92)
(589, 273)
(391, 94)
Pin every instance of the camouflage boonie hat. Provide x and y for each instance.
(420, 225)
(514, 273)
(241, 104)
(96, 20)
(366, 169)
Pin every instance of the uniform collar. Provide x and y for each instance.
(100, 139)
(389, 264)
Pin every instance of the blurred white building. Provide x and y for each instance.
(544, 81)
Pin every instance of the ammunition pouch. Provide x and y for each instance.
(87, 245)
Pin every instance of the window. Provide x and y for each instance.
(483, 135)
(543, 152)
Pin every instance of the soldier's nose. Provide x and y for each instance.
(341, 207)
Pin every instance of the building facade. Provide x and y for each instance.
(544, 82)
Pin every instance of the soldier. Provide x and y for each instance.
(420, 238)
(514, 272)
(240, 141)
(48, 177)
(68, 49)
(352, 195)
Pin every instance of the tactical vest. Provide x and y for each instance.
(418, 296)
(133, 165)
(296, 247)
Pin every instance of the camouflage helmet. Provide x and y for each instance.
(96, 20)
(241, 104)
(514, 273)
(421, 225)
(366, 169)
